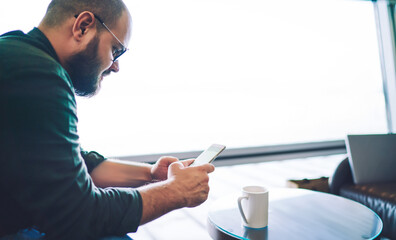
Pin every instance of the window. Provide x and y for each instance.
(240, 73)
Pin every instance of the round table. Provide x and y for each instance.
(297, 214)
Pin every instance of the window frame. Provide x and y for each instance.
(257, 154)
(385, 22)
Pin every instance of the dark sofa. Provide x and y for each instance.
(380, 197)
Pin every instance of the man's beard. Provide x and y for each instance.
(84, 70)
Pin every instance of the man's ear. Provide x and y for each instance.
(84, 23)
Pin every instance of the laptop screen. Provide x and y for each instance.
(372, 157)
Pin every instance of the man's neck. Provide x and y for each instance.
(59, 41)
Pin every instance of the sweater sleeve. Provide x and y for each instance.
(91, 159)
(41, 158)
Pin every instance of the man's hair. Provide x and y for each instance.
(58, 11)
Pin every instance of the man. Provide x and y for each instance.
(48, 183)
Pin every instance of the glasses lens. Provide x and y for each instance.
(118, 54)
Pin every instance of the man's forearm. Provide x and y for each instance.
(159, 199)
(115, 173)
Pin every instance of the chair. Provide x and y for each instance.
(380, 197)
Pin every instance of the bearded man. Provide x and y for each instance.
(50, 187)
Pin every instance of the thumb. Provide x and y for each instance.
(174, 167)
(187, 162)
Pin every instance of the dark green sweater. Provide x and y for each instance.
(44, 181)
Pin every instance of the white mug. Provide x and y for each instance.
(253, 206)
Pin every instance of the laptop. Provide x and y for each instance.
(372, 157)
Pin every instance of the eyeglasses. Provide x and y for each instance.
(117, 53)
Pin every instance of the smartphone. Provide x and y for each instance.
(208, 155)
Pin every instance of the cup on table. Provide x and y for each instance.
(253, 206)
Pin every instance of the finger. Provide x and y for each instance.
(168, 159)
(174, 168)
(176, 165)
(187, 162)
(208, 167)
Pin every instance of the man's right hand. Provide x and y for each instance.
(190, 183)
(185, 187)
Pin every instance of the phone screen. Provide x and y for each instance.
(208, 155)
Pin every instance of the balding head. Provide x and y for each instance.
(88, 37)
(59, 11)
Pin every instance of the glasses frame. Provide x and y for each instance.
(118, 53)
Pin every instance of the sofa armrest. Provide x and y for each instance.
(342, 175)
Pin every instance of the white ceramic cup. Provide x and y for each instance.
(253, 206)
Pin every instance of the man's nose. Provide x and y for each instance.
(115, 67)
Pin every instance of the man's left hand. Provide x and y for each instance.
(159, 171)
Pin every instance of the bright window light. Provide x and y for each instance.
(235, 72)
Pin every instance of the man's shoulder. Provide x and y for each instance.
(21, 58)
(20, 47)
(15, 33)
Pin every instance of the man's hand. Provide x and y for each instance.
(159, 171)
(184, 187)
(190, 183)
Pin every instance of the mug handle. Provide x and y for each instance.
(241, 209)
